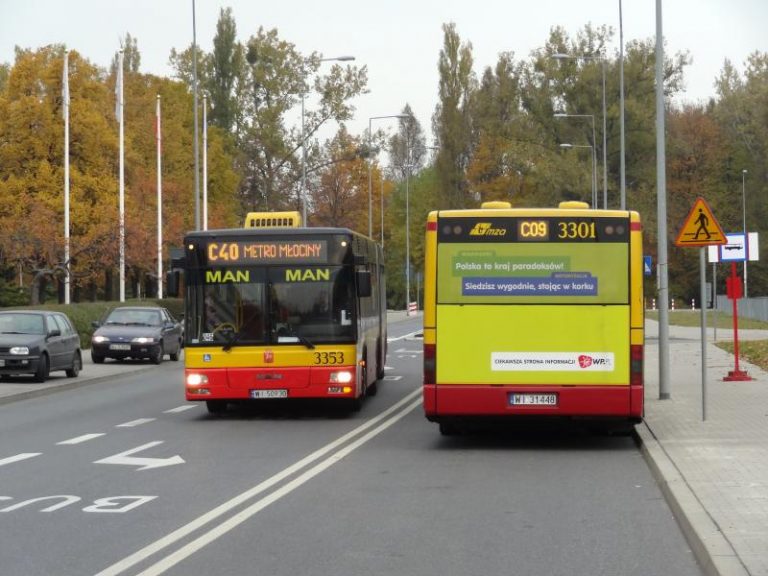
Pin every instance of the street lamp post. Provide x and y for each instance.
(605, 138)
(594, 166)
(304, 145)
(370, 186)
(594, 158)
(744, 224)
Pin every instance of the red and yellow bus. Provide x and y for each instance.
(285, 312)
(533, 312)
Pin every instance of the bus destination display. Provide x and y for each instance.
(267, 252)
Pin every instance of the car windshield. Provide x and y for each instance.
(134, 317)
(21, 324)
(280, 306)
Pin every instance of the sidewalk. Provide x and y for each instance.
(714, 473)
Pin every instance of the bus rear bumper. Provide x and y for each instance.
(451, 401)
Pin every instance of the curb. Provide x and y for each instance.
(710, 547)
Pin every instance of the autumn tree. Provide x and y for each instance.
(451, 120)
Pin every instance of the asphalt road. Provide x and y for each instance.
(125, 477)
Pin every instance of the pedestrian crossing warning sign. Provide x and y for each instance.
(701, 227)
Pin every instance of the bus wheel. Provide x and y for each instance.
(448, 429)
(372, 389)
(216, 406)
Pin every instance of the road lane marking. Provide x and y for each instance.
(181, 408)
(134, 423)
(230, 524)
(208, 517)
(403, 337)
(146, 463)
(79, 439)
(19, 458)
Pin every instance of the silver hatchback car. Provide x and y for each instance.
(38, 342)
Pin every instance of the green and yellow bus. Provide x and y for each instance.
(533, 312)
(283, 312)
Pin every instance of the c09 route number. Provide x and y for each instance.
(328, 358)
(576, 230)
(533, 230)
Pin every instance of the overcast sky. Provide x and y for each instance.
(398, 40)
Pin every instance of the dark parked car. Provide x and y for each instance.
(136, 332)
(38, 342)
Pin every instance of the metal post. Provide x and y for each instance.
(158, 138)
(744, 223)
(205, 161)
(661, 209)
(605, 147)
(194, 91)
(703, 275)
(623, 186)
(303, 169)
(67, 266)
(407, 240)
(370, 191)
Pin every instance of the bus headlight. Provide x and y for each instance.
(344, 377)
(195, 379)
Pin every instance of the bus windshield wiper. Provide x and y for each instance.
(231, 341)
(305, 341)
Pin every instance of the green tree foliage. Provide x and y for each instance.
(451, 120)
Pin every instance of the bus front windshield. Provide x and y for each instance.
(280, 305)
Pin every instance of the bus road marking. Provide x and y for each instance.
(19, 458)
(381, 422)
(134, 423)
(79, 439)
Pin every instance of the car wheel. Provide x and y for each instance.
(77, 365)
(97, 358)
(157, 358)
(42, 369)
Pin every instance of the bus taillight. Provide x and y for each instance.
(430, 353)
(636, 365)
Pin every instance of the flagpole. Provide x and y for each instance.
(205, 161)
(65, 109)
(159, 206)
(122, 174)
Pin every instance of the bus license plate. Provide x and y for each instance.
(263, 394)
(533, 399)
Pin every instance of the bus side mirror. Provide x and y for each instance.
(363, 283)
(172, 284)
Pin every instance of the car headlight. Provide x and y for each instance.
(99, 339)
(19, 350)
(144, 340)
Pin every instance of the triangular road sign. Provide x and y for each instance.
(701, 228)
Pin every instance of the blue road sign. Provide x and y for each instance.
(647, 265)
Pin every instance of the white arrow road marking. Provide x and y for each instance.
(181, 408)
(19, 458)
(79, 439)
(145, 463)
(134, 423)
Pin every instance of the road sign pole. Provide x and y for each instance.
(734, 292)
(703, 275)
